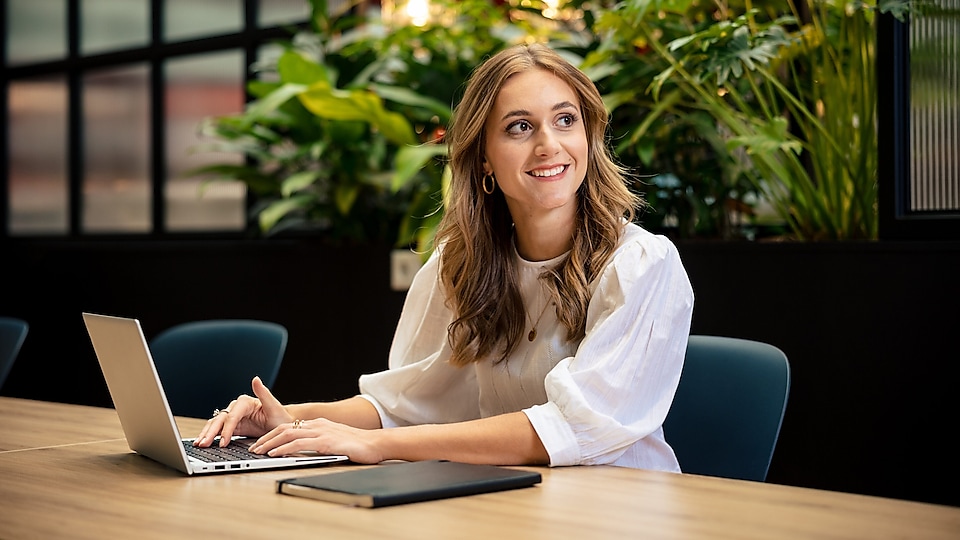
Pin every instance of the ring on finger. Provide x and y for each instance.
(297, 424)
(216, 412)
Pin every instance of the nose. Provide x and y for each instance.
(547, 143)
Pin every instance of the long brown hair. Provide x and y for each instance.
(477, 266)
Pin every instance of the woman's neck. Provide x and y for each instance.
(542, 240)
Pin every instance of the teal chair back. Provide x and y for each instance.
(205, 365)
(13, 332)
(726, 416)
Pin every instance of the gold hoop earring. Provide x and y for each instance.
(493, 184)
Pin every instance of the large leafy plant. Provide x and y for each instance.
(321, 150)
(691, 184)
(337, 139)
(344, 133)
(790, 93)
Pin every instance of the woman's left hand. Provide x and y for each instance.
(323, 437)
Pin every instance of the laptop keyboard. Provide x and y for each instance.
(236, 450)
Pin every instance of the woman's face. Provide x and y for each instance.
(536, 146)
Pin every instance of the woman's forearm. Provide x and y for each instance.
(507, 439)
(355, 411)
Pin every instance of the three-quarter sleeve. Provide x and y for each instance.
(607, 403)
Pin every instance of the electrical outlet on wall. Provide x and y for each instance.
(403, 266)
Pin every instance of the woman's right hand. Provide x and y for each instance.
(245, 416)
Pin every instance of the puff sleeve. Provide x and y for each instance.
(606, 404)
(421, 386)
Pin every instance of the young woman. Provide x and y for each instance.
(546, 328)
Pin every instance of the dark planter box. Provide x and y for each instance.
(868, 329)
(335, 302)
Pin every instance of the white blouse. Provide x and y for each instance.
(601, 400)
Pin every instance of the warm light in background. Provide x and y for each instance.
(418, 11)
(415, 12)
(551, 11)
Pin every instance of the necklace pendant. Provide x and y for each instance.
(532, 335)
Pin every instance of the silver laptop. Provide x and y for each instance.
(145, 415)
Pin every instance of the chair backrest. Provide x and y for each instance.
(207, 364)
(726, 415)
(13, 332)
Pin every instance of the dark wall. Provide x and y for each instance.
(336, 304)
(868, 329)
(870, 332)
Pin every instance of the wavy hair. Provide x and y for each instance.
(475, 238)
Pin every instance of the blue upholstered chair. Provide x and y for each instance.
(726, 416)
(204, 365)
(13, 332)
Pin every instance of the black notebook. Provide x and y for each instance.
(407, 482)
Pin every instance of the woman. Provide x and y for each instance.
(544, 329)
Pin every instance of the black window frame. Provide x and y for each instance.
(896, 219)
(74, 65)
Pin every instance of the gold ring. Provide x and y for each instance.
(297, 424)
(216, 412)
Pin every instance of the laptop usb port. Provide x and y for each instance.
(235, 466)
(219, 467)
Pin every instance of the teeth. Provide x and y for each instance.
(548, 172)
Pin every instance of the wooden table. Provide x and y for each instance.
(66, 472)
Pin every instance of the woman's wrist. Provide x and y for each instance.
(296, 411)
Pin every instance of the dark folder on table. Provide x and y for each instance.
(407, 482)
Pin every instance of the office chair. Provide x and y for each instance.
(204, 365)
(726, 414)
(13, 332)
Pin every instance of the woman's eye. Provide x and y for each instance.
(519, 127)
(567, 120)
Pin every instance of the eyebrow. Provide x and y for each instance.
(524, 112)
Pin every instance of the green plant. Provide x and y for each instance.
(793, 96)
(321, 153)
(693, 185)
(347, 140)
(724, 103)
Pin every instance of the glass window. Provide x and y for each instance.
(199, 87)
(184, 19)
(120, 172)
(280, 12)
(36, 31)
(935, 111)
(116, 138)
(38, 156)
(265, 68)
(107, 25)
(918, 108)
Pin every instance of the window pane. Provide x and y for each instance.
(116, 137)
(38, 156)
(107, 25)
(935, 109)
(265, 68)
(185, 19)
(36, 31)
(280, 12)
(200, 87)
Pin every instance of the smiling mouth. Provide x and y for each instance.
(547, 173)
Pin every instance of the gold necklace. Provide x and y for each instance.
(533, 329)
